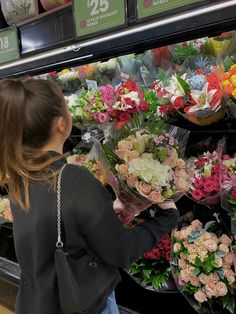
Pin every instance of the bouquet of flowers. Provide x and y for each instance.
(228, 195)
(74, 107)
(148, 169)
(86, 72)
(97, 105)
(91, 162)
(205, 187)
(185, 49)
(130, 100)
(109, 72)
(219, 46)
(197, 97)
(5, 210)
(153, 269)
(68, 80)
(202, 267)
(229, 87)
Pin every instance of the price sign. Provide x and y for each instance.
(151, 7)
(92, 16)
(9, 48)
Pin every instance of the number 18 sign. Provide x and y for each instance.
(92, 16)
(9, 48)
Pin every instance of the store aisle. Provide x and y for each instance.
(4, 310)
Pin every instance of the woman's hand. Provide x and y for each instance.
(118, 206)
(167, 205)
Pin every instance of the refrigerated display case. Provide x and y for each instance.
(49, 45)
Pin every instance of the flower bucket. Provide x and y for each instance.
(52, 4)
(16, 11)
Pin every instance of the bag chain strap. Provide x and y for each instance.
(59, 243)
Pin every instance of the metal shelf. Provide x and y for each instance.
(210, 19)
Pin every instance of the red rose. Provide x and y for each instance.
(179, 103)
(199, 164)
(197, 194)
(144, 106)
(124, 116)
(167, 256)
(209, 186)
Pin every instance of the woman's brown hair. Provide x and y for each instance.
(27, 112)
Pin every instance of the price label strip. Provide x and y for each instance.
(147, 8)
(9, 47)
(93, 16)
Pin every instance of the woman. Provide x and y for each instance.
(34, 125)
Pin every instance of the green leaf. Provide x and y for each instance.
(209, 225)
(196, 271)
(147, 272)
(228, 62)
(183, 84)
(198, 262)
(228, 302)
(146, 282)
(161, 155)
(233, 202)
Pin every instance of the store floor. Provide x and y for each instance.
(4, 310)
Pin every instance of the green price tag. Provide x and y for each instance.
(9, 48)
(152, 7)
(92, 16)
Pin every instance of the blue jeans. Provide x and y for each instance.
(111, 307)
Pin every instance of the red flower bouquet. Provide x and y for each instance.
(153, 269)
(130, 100)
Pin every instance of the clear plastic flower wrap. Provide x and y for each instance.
(148, 167)
(202, 266)
(228, 194)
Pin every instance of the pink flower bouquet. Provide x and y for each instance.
(149, 170)
(202, 267)
(96, 105)
(206, 187)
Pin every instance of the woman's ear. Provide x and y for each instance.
(60, 125)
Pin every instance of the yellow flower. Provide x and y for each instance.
(233, 79)
(226, 83)
(234, 93)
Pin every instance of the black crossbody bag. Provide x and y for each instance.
(85, 283)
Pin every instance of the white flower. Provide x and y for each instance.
(149, 170)
(175, 87)
(72, 100)
(109, 65)
(203, 99)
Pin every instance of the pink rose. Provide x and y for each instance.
(122, 169)
(194, 281)
(224, 239)
(209, 186)
(180, 163)
(196, 224)
(131, 181)
(221, 289)
(103, 117)
(226, 266)
(211, 290)
(200, 296)
(229, 258)
(181, 173)
(210, 245)
(143, 187)
(184, 275)
(230, 276)
(176, 247)
(125, 145)
(223, 248)
(133, 154)
(197, 194)
(155, 197)
(213, 277)
(203, 278)
(182, 263)
(181, 184)
(120, 153)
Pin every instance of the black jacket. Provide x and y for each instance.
(89, 224)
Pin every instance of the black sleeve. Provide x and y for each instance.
(104, 233)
